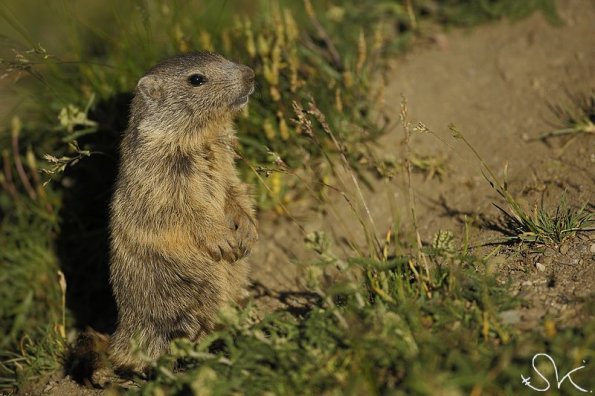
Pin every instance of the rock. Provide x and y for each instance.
(564, 248)
(592, 248)
(510, 317)
(549, 252)
(540, 267)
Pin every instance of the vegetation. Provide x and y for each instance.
(538, 225)
(398, 316)
(576, 117)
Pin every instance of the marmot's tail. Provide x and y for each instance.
(88, 354)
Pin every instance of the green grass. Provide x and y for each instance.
(548, 227)
(380, 328)
(32, 305)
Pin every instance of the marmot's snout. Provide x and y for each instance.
(247, 74)
(247, 78)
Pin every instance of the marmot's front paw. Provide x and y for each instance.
(246, 234)
(224, 248)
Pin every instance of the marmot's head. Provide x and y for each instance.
(191, 92)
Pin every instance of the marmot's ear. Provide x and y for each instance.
(150, 87)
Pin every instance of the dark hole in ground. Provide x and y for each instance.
(83, 246)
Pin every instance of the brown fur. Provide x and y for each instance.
(181, 220)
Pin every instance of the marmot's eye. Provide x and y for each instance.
(197, 79)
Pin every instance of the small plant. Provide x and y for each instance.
(545, 227)
(578, 118)
(538, 226)
(431, 166)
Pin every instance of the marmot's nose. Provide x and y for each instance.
(247, 73)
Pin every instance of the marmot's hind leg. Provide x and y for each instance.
(126, 360)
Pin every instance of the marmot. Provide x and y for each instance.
(181, 221)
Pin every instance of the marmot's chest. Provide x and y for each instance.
(212, 162)
(210, 173)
